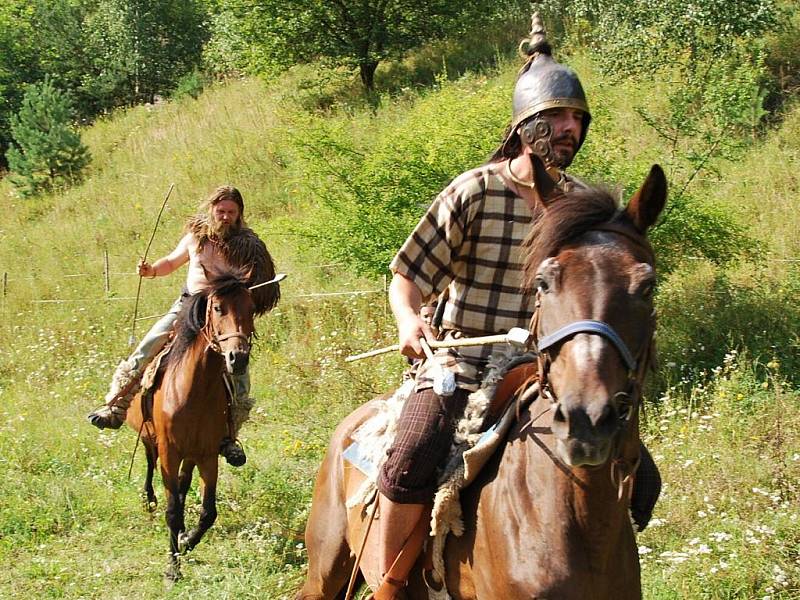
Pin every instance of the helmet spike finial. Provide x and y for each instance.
(536, 42)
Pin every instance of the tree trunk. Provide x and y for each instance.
(367, 72)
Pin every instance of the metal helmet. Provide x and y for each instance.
(544, 83)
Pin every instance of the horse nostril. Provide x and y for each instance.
(559, 416)
(608, 417)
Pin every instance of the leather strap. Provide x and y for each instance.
(589, 326)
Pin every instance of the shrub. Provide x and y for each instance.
(706, 311)
(47, 147)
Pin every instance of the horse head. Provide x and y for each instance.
(593, 273)
(229, 323)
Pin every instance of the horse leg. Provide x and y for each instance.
(330, 561)
(185, 479)
(148, 492)
(175, 507)
(208, 514)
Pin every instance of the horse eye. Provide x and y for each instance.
(647, 290)
(217, 309)
(541, 284)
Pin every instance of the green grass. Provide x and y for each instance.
(725, 428)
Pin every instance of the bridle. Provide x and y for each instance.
(622, 470)
(215, 340)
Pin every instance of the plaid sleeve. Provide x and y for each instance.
(427, 256)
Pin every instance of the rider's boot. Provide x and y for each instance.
(124, 386)
(230, 448)
(403, 530)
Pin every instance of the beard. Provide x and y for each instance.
(222, 231)
(563, 155)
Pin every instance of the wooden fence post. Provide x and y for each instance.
(106, 271)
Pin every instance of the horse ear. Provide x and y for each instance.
(646, 204)
(544, 185)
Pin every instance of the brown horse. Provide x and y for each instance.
(548, 515)
(190, 415)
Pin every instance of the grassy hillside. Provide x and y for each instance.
(724, 425)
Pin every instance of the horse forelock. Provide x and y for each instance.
(564, 219)
(226, 284)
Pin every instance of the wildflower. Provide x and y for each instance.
(674, 557)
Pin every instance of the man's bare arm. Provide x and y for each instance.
(167, 264)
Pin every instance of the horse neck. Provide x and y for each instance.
(581, 505)
(199, 371)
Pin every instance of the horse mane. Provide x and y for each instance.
(563, 219)
(192, 316)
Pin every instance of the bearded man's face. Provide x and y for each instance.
(225, 219)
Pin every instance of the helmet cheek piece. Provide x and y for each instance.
(536, 133)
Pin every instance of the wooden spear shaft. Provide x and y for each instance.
(132, 339)
(476, 341)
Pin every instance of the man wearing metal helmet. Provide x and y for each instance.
(466, 250)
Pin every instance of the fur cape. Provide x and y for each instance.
(243, 250)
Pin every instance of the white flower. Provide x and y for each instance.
(674, 557)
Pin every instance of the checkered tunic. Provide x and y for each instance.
(469, 242)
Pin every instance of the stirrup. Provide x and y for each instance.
(233, 452)
(106, 417)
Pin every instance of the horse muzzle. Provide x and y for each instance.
(584, 438)
(236, 361)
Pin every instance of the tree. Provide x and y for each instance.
(352, 32)
(707, 56)
(47, 148)
(140, 48)
(17, 63)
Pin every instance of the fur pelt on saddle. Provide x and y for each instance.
(243, 249)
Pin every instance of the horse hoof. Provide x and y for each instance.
(183, 543)
(172, 575)
(152, 505)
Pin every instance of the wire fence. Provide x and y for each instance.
(107, 274)
(109, 296)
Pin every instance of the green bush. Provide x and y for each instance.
(705, 311)
(371, 189)
(191, 84)
(47, 147)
